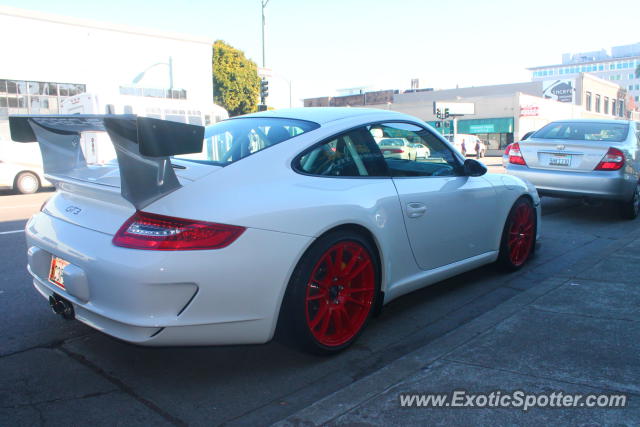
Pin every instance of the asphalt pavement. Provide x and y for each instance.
(479, 330)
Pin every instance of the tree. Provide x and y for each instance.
(236, 85)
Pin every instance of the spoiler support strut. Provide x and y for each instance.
(143, 146)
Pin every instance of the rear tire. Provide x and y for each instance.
(518, 241)
(27, 183)
(332, 293)
(631, 208)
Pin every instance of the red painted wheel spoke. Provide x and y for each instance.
(322, 312)
(354, 301)
(317, 296)
(352, 262)
(325, 322)
(364, 264)
(350, 291)
(338, 260)
(336, 316)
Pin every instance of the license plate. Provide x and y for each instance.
(57, 270)
(559, 161)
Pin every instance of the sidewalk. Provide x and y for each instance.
(578, 332)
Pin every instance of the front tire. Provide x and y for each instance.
(27, 183)
(518, 236)
(332, 293)
(631, 208)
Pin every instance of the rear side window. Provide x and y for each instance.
(586, 131)
(232, 140)
(351, 154)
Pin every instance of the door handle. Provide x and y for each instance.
(415, 209)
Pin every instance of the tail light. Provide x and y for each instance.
(612, 161)
(396, 150)
(165, 233)
(515, 156)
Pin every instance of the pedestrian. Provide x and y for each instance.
(477, 148)
(463, 148)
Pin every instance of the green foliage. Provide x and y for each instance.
(236, 85)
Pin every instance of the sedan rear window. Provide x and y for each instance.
(231, 140)
(584, 131)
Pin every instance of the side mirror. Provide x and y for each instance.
(474, 168)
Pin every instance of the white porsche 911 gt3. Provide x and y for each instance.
(288, 219)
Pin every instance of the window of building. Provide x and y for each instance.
(606, 105)
(32, 97)
(620, 108)
(588, 101)
(613, 107)
(597, 103)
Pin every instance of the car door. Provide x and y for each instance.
(448, 217)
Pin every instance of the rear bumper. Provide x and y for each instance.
(227, 296)
(612, 185)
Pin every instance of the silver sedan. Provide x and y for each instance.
(588, 158)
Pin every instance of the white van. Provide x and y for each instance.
(466, 144)
(21, 167)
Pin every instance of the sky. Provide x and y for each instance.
(325, 45)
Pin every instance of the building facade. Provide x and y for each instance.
(618, 67)
(61, 57)
(502, 113)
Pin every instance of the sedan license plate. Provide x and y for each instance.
(559, 161)
(57, 271)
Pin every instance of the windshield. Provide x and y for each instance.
(584, 131)
(231, 140)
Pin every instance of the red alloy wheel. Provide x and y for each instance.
(520, 237)
(340, 293)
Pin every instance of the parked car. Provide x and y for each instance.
(590, 158)
(422, 152)
(21, 167)
(397, 148)
(288, 219)
(466, 145)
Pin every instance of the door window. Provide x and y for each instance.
(410, 150)
(352, 154)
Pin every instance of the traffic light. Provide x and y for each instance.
(446, 113)
(264, 89)
(438, 113)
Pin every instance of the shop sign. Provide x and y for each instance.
(529, 110)
(486, 128)
(558, 90)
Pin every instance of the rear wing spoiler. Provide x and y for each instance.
(143, 146)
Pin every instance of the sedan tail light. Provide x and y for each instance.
(165, 233)
(396, 150)
(612, 161)
(515, 156)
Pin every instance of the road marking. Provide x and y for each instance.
(11, 232)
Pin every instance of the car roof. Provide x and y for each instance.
(322, 115)
(607, 121)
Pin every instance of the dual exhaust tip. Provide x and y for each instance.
(61, 306)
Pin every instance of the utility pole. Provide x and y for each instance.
(264, 84)
(264, 4)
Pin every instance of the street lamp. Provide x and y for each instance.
(264, 4)
(169, 64)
